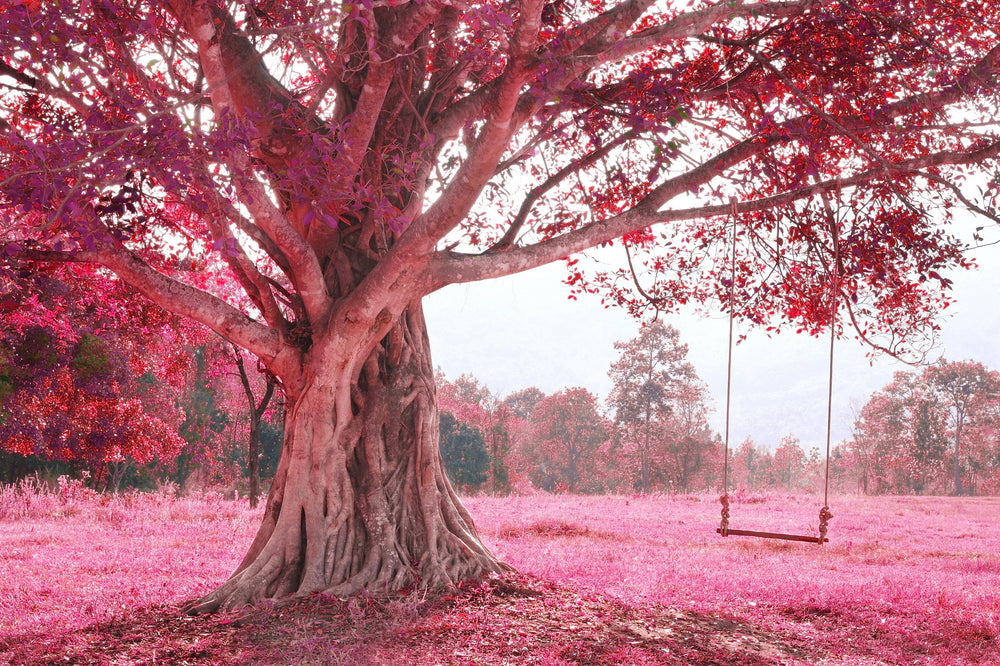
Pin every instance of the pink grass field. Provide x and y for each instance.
(905, 580)
(919, 575)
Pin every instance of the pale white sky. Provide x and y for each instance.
(523, 331)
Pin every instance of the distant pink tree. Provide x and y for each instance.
(570, 441)
(982, 445)
(660, 408)
(964, 388)
(464, 397)
(257, 402)
(845, 468)
(694, 455)
(906, 431)
(748, 464)
(522, 405)
(899, 439)
(788, 463)
(76, 385)
(245, 391)
(475, 405)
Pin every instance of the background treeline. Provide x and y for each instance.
(160, 402)
(930, 431)
(99, 384)
(193, 432)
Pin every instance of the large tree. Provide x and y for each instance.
(962, 386)
(569, 451)
(902, 436)
(658, 401)
(87, 374)
(342, 161)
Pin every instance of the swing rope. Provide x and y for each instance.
(824, 513)
(724, 526)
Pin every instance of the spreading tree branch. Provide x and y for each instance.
(169, 293)
(237, 81)
(449, 267)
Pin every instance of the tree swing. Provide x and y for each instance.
(824, 513)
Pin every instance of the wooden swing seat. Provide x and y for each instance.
(824, 514)
(772, 535)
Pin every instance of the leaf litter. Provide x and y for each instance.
(513, 619)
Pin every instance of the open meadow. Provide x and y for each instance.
(91, 579)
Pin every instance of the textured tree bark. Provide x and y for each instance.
(360, 499)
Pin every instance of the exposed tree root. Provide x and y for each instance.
(360, 500)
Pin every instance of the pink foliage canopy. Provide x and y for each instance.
(843, 133)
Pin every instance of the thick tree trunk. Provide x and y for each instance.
(360, 499)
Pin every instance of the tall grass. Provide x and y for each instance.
(70, 557)
(902, 576)
(917, 567)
